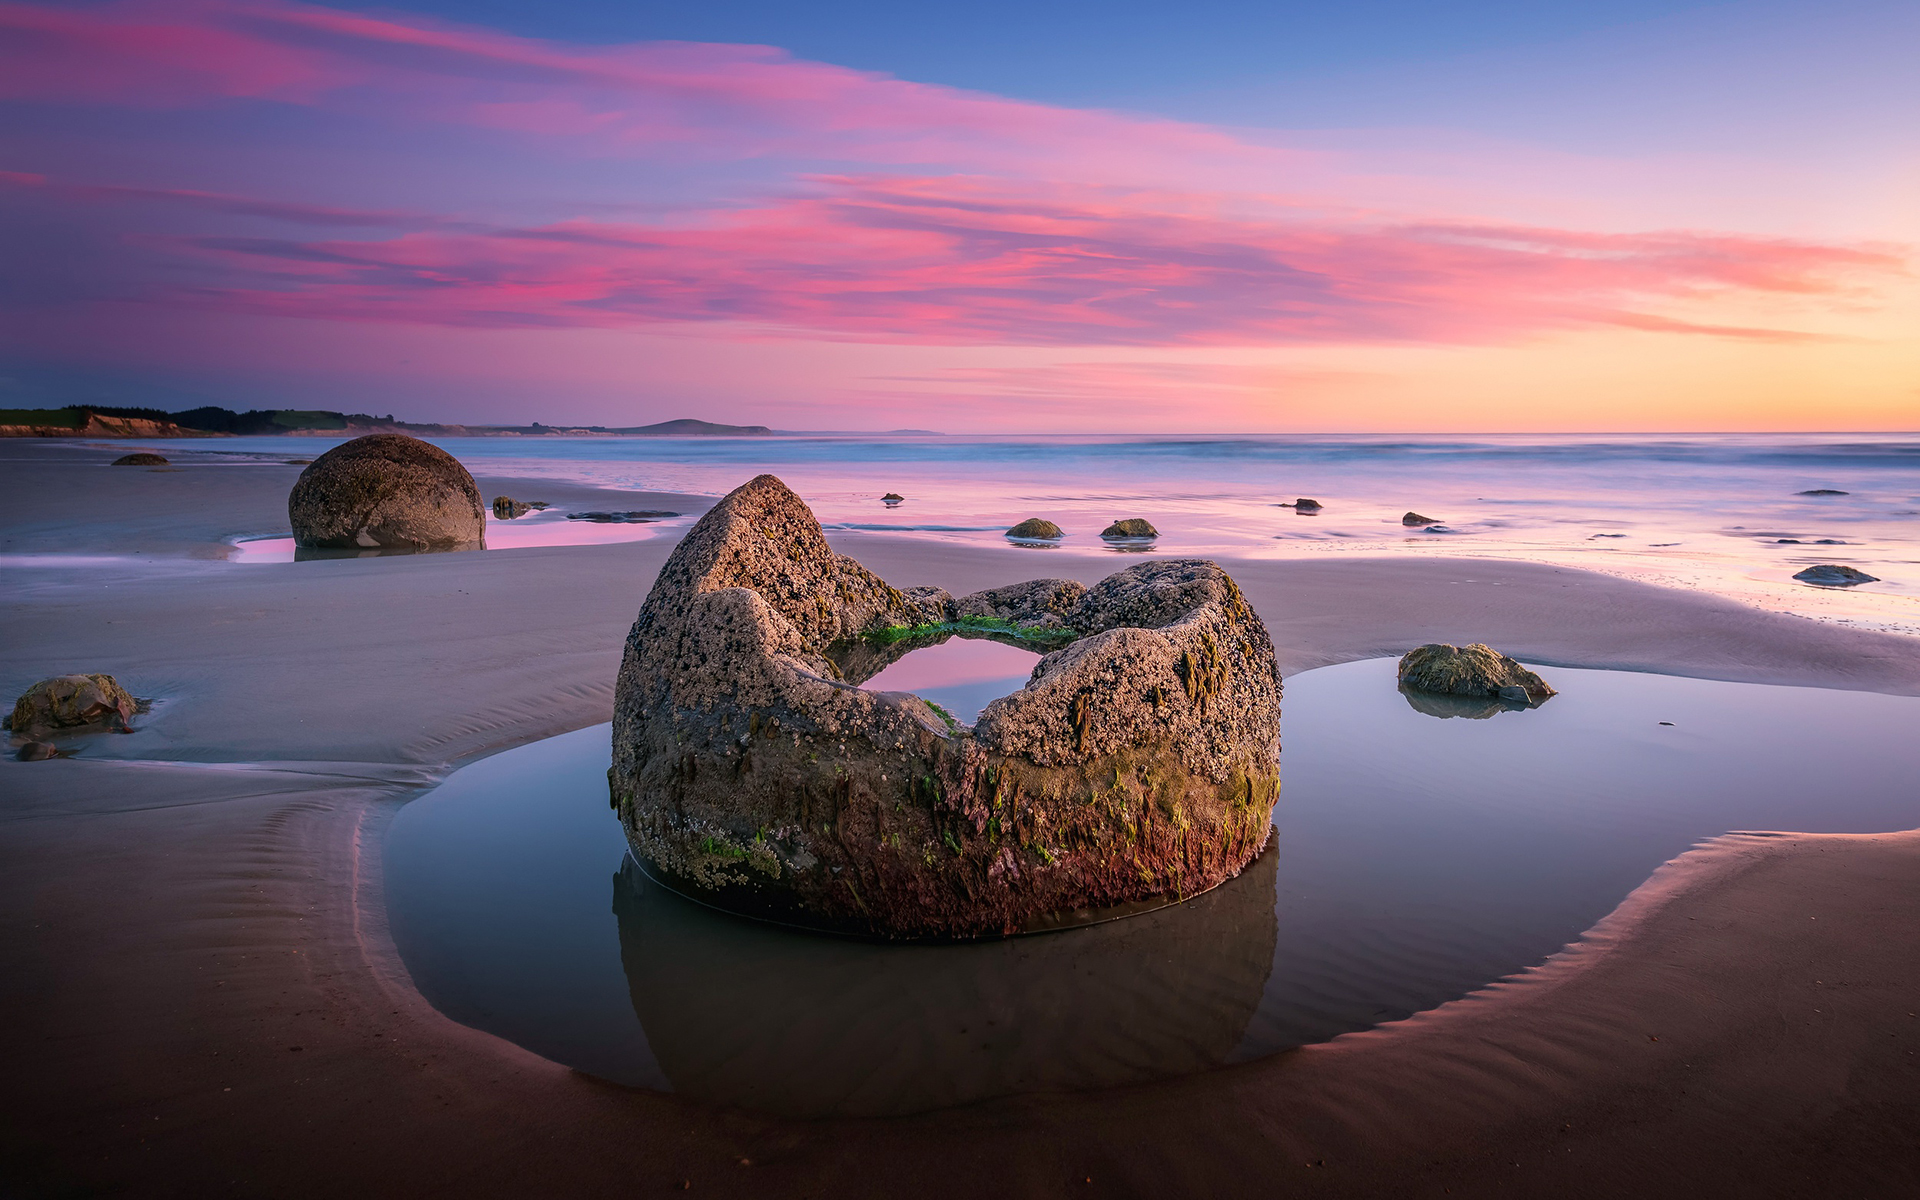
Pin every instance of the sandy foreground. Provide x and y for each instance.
(201, 998)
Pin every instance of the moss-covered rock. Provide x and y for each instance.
(140, 458)
(72, 702)
(386, 491)
(1131, 527)
(1140, 761)
(1477, 671)
(1036, 529)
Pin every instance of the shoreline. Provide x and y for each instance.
(187, 903)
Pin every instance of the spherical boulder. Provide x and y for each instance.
(1138, 766)
(386, 491)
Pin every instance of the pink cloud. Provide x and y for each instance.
(762, 101)
(959, 261)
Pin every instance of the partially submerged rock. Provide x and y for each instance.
(1477, 671)
(36, 752)
(1414, 518)
(386, 491)
(638, 516)
(507, 508)
(892, 498)
(1823, 492)
(1305, 505)
(1036, 529)
(1835, 575)
(68, 702)
(1132, 527)
(140, 458)
(1139, 763)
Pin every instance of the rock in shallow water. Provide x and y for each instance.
(1835, 575)
(140, 458)
(72, 702)
(1036, 529)
(507, 508)
(386, 491)
(1132, 527)
(749, 768)
(1476, 671)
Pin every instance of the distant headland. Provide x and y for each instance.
(106, 422)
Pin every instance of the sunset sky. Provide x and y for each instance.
(1074, 217)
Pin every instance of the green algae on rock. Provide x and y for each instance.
(72, 702)
(1036, 529)
(386, 491)
(1139, 763)
(1477, 671)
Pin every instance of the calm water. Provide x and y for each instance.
(1714, 511)
(1415, 858)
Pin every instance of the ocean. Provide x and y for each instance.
(1726, 513)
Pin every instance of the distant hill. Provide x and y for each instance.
(96, 421)
(688, 427)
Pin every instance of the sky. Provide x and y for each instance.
(1379, 216)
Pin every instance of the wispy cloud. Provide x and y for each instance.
(954, 260)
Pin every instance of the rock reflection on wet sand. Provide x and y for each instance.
(741, 1012)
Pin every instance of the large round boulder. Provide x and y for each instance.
(1139, 764)
(386, 491)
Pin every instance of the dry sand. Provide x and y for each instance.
(186, 905)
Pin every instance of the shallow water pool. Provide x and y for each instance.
(1416, 858)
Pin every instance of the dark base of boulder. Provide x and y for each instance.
(774, 908)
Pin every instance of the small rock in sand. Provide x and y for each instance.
(1036, 529)
(1414, 518)
(1835, 575)
(1823, 492)
(36, 752)
(1132, 527)
(892, 498)
(1306, 506)
(1477, 670)
(141, 458)
(386, 491)
(72, 702)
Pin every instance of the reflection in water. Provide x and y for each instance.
(961, 674)
(807, 1025)
(1415, 860)
(1474, 708)
(552, 527)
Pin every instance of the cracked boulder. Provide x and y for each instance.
(1138, 766)
(386, 491)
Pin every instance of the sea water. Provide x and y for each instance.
(1721, 512)
(1414, 858)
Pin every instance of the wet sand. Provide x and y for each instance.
(174, 925)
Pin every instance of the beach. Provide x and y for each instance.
(205, 999)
